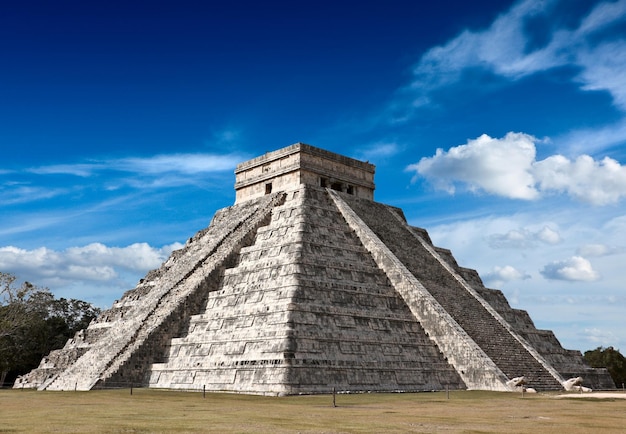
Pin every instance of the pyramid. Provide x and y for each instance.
(307, 285)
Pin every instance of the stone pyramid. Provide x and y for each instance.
(307, 284)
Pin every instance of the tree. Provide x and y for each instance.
(33, 323)
(611, 359)
(14, 319)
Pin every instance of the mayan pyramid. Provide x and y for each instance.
(307, 284)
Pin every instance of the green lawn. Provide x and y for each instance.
(167, 411)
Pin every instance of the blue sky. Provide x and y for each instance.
(498, 126)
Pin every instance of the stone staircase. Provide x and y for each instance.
(156, 313)
(348, 317)
(305, 309)
(498, 342)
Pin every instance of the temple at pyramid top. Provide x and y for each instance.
(288, 168)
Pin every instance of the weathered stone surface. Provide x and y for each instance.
(288, 168)
(305, 289)
(306, 309)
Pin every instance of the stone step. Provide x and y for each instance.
(497, 342)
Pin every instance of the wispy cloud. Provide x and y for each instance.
(590, 141)
(505, 49)
(507, 167)
(227, 136)
(189, 164)
(153, 172)
(18, 194)
(598, 250)
(80, 169)
(600, 337)
(378, 151)
(524, 238)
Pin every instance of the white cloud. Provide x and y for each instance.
(91, 263)
(598, 250)
(512, 239)
(524, 238)
(17, 194)
(499, 275)
(138, 256)
(504, 49)
(590, 141)
(83, 170)
(227, 135)
(602, 62)
(600, 337)
(599, 70)
(498, 166)
(181, 163)
(575, 268)
(380, 150)
(602, 15)
(140, 173)
(187, 164)
(501, 47)
(507, 167)
(596, 182)
(548, 236)
(617, 226)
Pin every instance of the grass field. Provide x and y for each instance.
(147, 411)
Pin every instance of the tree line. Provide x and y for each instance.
(32, 323)
(611, 359)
